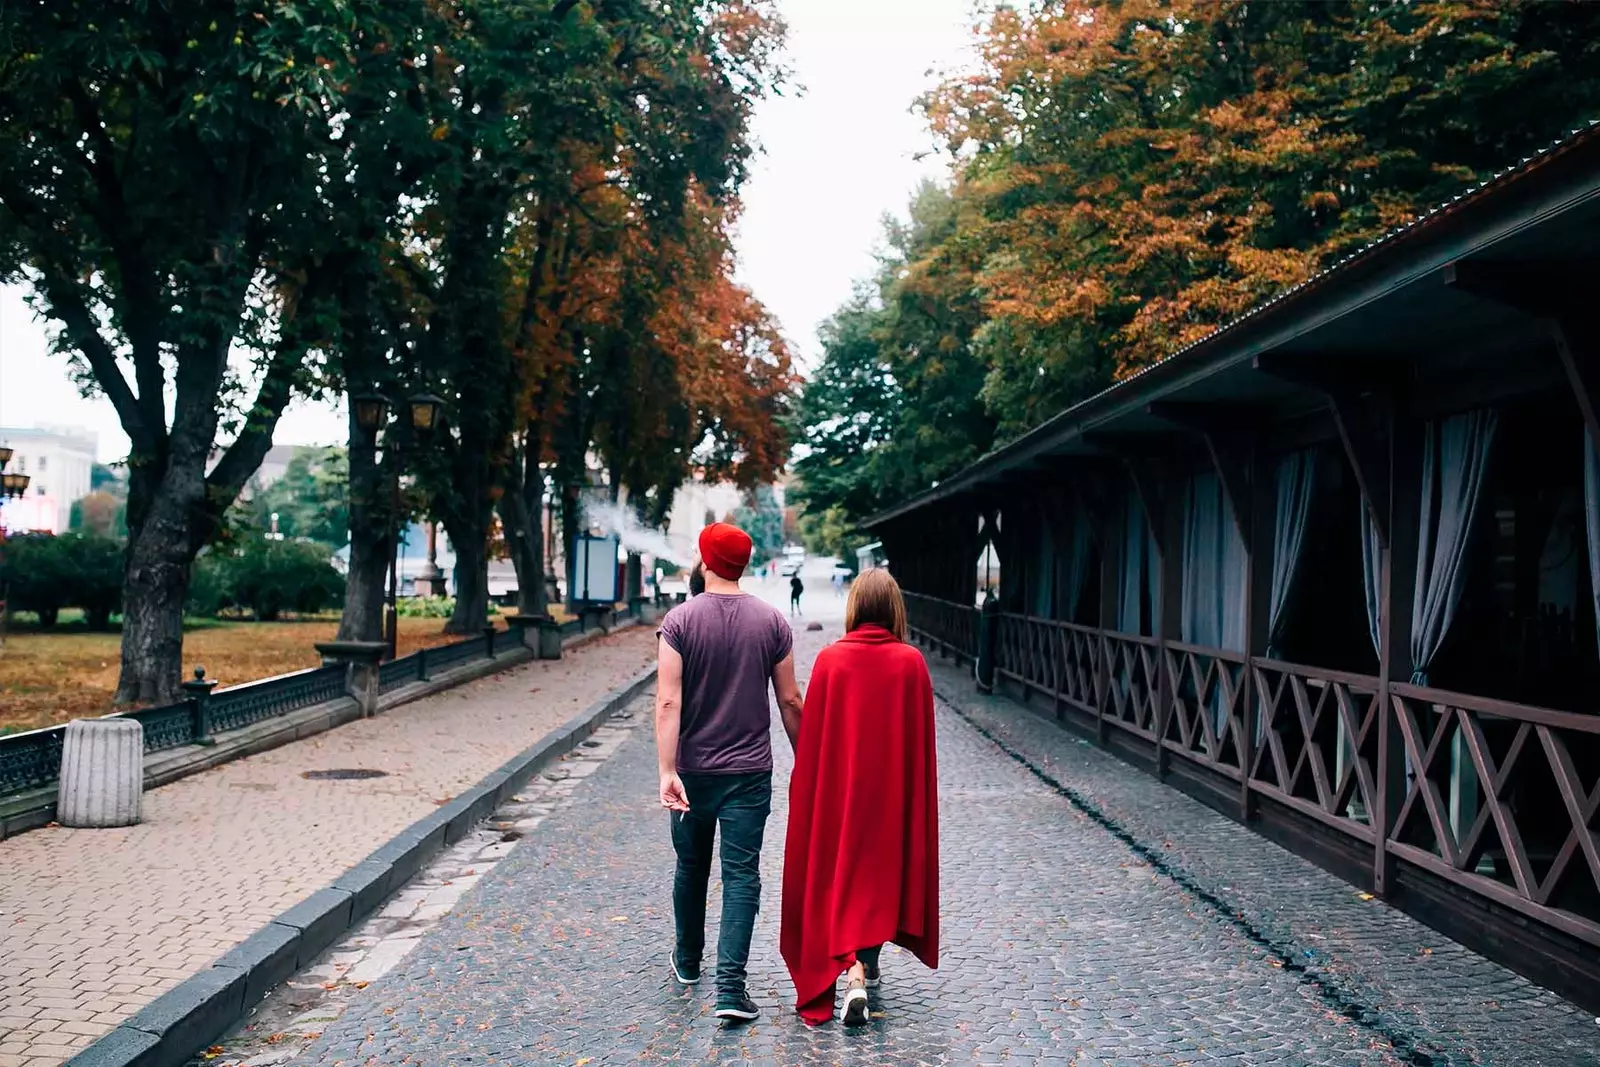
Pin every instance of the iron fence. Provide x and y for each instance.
(32, 760)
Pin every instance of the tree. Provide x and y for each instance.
(762, 519)
(310, 499)
(101, 513)
(205, 300)
(1137, 174)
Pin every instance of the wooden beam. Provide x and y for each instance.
(1543, 290)
(1364, 435)
(1330, 373)
(1235, 478)
(1226, 419)
(1578, 348)
(1148, 488)
(1130, 446)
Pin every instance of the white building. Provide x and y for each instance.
(60, 462)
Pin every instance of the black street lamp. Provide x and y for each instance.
(372, 415)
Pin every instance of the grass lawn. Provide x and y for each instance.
(47, 678)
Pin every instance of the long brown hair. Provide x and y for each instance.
(875, 600)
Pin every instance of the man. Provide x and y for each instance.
(796, 587)
(718, 653)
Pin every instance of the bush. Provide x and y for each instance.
(426, 607)
(266, 578)
(43, 573)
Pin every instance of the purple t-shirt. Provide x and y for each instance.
(729, 645)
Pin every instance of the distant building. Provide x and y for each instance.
(60, 462)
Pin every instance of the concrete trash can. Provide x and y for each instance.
(102, 773)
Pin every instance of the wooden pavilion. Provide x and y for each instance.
(1334, 569)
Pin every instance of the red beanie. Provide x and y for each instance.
(725, 550)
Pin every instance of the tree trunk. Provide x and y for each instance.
(571, 511)
(371, 543)
(155, 586)
(472, 578)
(526, 542)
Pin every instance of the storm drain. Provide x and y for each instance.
(345, 773)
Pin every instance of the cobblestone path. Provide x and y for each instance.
(96, 923)
(1064, 944)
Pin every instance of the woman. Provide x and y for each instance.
(861, 866)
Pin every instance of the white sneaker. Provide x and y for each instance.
(854, 1011)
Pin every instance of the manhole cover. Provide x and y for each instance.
(345, 772)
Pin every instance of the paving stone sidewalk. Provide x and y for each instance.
(1063, 944)
(1449, 1003)
(96, 923)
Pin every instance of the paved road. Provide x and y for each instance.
(1063, 945)
(96, 923)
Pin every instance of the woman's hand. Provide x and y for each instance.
(673, 797)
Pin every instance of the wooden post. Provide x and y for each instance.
(1258, 594)
(1110, 574)
(1168, 520)
(1398, 569)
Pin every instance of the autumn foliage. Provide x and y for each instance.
(1129, 176)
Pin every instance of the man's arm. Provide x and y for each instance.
(790, 702)
(669, 712)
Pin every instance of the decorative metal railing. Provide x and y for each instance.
(32, 760)
(1497, 798)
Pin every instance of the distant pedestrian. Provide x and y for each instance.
(838, 584)
(718, 654)
(861, 863)
(796, 587)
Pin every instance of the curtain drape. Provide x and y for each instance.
(1043, 577)
(1591, 514)
(1214, 568)
(1455, 458)
(1073, 570)
(1296, 478)
(1132, 566)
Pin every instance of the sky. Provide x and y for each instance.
(839, 152)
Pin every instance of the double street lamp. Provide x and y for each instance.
(371, 412)
(12, 483)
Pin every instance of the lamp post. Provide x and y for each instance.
(12, 484)
(372, 417)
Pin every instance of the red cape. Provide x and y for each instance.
(861, 865)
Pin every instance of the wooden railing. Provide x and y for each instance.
(950, 627)
(1500, 799)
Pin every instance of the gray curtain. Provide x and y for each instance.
(1130, 573)
(1455, 458)
(1591, 513)
(1214, 568)
(1371, 575)
(1297, 474)
(1043, 578)
(1073, 571)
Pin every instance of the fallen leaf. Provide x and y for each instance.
(359, 985)
(1364, 896)
(583, 1061)
(619, 918)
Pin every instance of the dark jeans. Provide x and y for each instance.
(740, 803)
(868, 957)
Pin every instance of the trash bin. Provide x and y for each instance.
(102, 773)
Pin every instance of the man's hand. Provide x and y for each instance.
(673, 798)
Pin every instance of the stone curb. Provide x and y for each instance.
(186, 1019)
(29, 811)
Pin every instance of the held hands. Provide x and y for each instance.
(673, 797)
